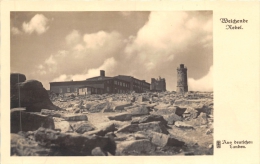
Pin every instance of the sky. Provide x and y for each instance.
(65, 46)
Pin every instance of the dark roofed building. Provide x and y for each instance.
(101, 84)
(139, 86)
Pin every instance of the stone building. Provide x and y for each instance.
(158, 85)
(99, 85)
(182, 84)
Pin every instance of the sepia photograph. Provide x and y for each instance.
(111, 83)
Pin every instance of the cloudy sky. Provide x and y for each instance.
(61, 46)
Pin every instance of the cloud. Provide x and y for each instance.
(108, 65)
(165, 41)
(15, 31)
(50, 65)
(84, 52)
(38, 24)
(41, 69)
(203, 84)
(73, 38)
(50, 61)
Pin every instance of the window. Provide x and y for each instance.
(60, 90)
(107, 89)
(68, 89)
(76, 89)
(115, 82)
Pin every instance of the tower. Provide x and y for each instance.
(182, 85)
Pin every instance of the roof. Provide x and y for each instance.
(129, 77)
(99, 78)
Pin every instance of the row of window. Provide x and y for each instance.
(120, 91)
(121, 83)
(68, 90)
(141, 83)
(140, 88)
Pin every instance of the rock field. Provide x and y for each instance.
(139, 124)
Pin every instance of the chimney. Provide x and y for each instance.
(102, 73)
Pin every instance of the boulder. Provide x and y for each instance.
(124, 137)
(97, 152)
(102, 131)
(52, 113)
(132, 128)
(21, 146)
(67, 144)
(137, 111)
(162, 107)
(153, 126)
(140, 135)
(163, 140)
(209, 131)
(31, 95)
(191, 113)
(96, 108)
(82, 126)
(121, 117)
(201, 105)
(179, 111)
(152, 118)
(135, 147)
(141, 99)
(63, 126)
(109, 107)
(187, 102)
(172, 118)
(29, 121)
(75, 117)
(165, 110)
(200, 120)
(180, 124)
(120, 106)
(16, 78)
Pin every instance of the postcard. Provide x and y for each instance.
(139, 82)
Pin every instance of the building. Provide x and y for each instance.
(158, 85)
(139, 86)
(100, 84)
(182, 84)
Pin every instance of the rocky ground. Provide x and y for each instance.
(163, 123)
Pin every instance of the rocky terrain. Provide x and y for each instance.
(139, 124)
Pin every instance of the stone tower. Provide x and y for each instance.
(182, 85)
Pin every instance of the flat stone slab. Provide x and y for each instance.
(180, 124)
(75, 117)
(121, 117)
(153, 126)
